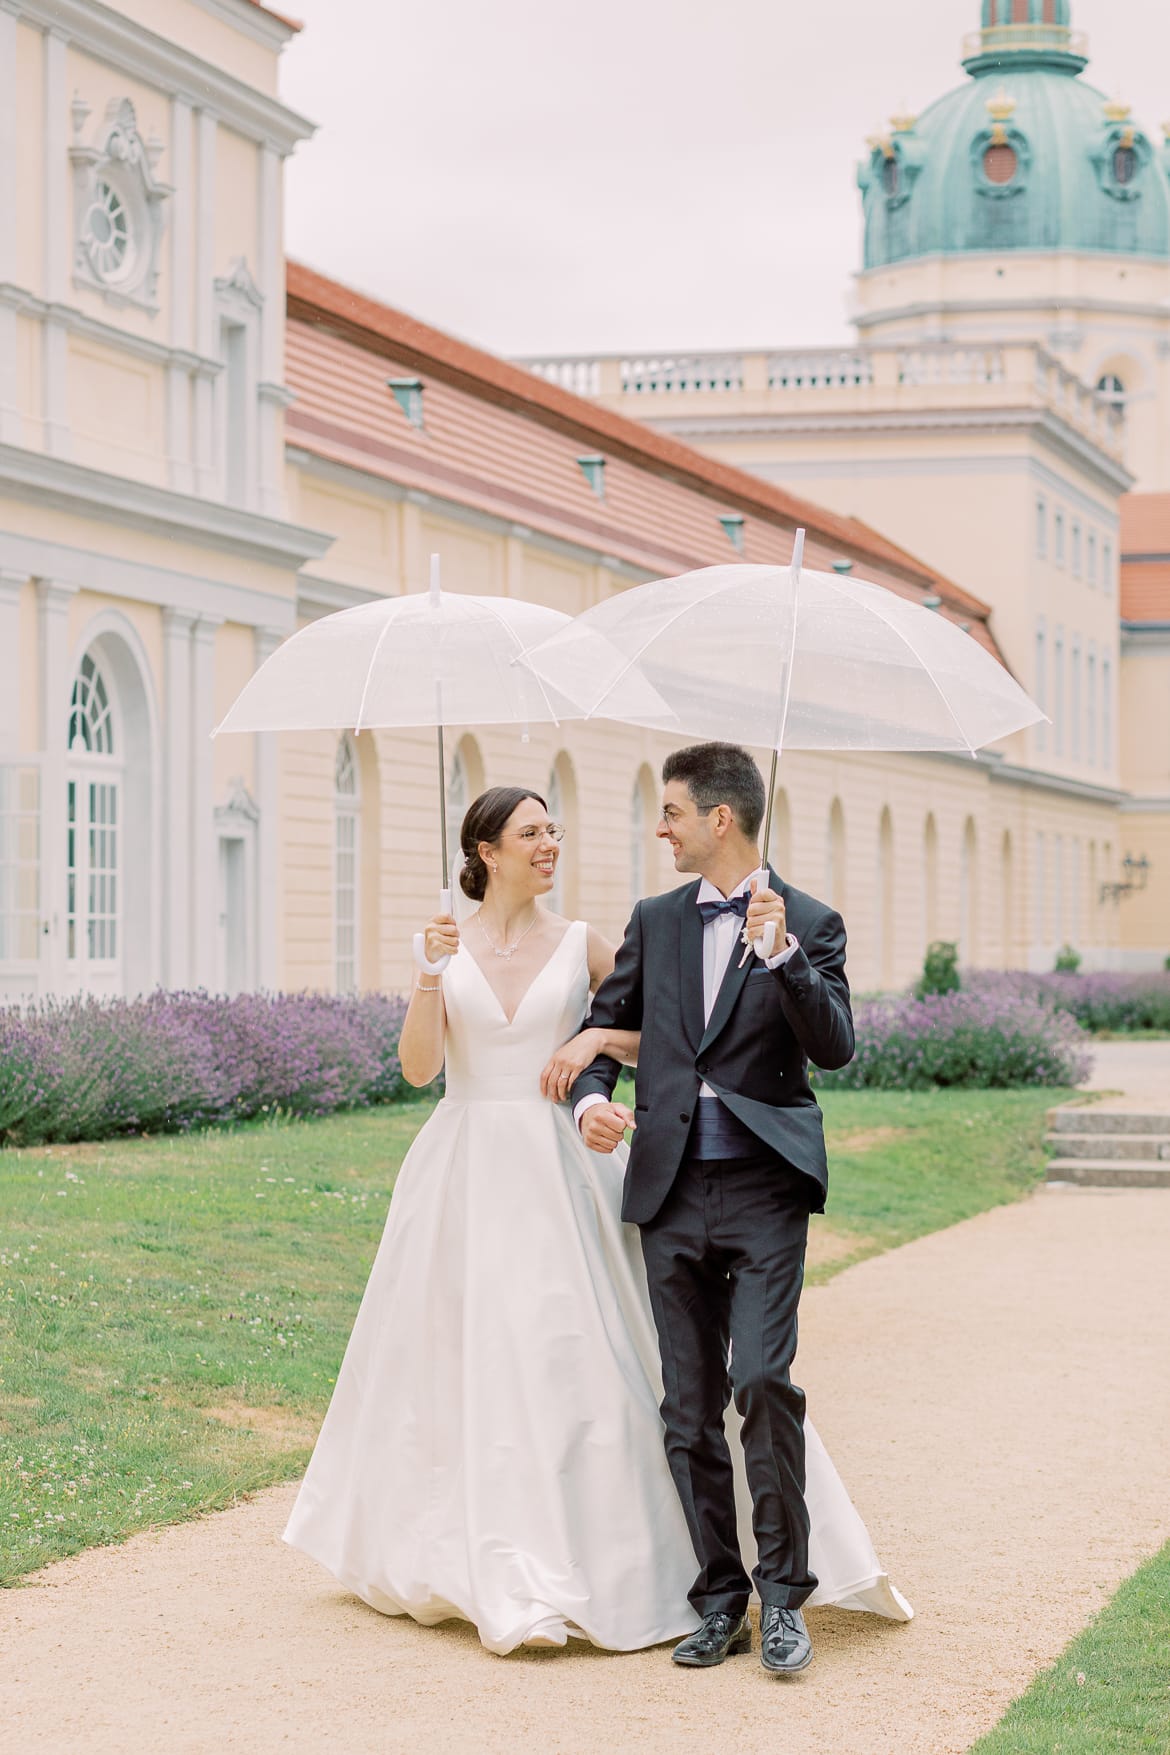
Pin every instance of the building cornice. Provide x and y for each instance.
(253, 21)
(70, 487)
(1147, 639)
(1040, 780)
(28, 304)
(130, 47)
(1136, 805)
(882, 424)
(938, 309)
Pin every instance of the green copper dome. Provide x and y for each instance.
(1025, 156)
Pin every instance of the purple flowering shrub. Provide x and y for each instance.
(92, 1069)
(989, 1041)
(1104, 1000)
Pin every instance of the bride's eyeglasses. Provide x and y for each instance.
(537, 832)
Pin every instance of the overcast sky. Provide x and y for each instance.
(540, 175)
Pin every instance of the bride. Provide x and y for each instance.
(493, 1450)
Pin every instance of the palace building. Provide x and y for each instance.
(203, 447)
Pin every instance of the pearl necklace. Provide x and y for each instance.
(509, 950)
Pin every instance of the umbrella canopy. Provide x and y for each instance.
(784, 658)
(430, 658)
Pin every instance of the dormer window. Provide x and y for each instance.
(891, 175)
(1125, 165)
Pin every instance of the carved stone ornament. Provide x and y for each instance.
(117, 206)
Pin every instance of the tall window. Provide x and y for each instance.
(835, 872)
(1058, 538)
(1058, 888)
(637, 843)
(346, 821)
(93, 824)
(19, 863)
(1042, 528)
(1039, 895)
(886, 891)
(1106, 714)
(930, 880)
(1107, 568)
(1091, 557)
(1040, 681)
(1075, 699)
(1091, 707)
(1058, 691)
(457, 803)
(968, 895)
(1076, 551)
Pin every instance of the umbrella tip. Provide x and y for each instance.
(435, 576)
(798, 551)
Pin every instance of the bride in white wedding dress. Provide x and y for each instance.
(494, 1450)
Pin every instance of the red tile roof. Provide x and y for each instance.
(497, 437)
(1145, 558)
(289, 23)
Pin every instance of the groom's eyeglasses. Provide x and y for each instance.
(534, 833)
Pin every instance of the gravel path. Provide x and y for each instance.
(997, 1397)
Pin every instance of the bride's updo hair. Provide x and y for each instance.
(485, 821)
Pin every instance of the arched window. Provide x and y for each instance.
(780, 847)
(643, 821)
(346, 856)
(835, 870)
(94, 828)
(885, 900)
(457, 802)
(968, 896)
(561, 797)
(1112, 386)
(930, 879)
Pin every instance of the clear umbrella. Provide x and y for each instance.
(784, 658)
(430, 658)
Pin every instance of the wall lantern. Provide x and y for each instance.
(1137, 875)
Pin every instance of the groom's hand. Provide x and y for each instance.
(766, 906)
(603, 1126)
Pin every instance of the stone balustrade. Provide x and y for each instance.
(867, 379)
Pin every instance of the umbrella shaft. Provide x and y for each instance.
(443, 808)
(768, 810)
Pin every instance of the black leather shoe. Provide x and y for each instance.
(719, 1637)
(785, 1646)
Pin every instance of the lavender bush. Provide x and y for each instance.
(92, 1069)
(1105, 1000)
(966, 1038)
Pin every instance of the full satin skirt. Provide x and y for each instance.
(493, 1450)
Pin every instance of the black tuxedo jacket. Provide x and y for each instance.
(766, 1025)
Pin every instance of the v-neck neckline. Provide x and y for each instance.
(509, 1021)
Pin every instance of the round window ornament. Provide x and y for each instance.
(107, 232)
(1001, 164)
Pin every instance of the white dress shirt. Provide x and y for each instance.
(721, 936)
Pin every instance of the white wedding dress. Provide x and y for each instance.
(493, 1450)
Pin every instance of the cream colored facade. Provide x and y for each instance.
(160, 533)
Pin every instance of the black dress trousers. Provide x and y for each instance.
(725, 1265)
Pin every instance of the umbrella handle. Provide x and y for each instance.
(420, 945)
(765, 945)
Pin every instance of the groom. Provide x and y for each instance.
(727, 1162)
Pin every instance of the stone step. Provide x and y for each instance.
(1144, 1146)
(1078, 1118)
(1109, 1172)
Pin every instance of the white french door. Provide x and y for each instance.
(94, 914)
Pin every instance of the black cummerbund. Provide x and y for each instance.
(717, 1133)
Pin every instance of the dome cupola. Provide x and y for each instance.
(1025, 156)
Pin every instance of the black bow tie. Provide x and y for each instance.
(710, 911)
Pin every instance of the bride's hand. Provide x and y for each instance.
(441, 937)
(569, 1062)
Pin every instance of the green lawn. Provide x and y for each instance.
(173, 1311)
(1110, 1690)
